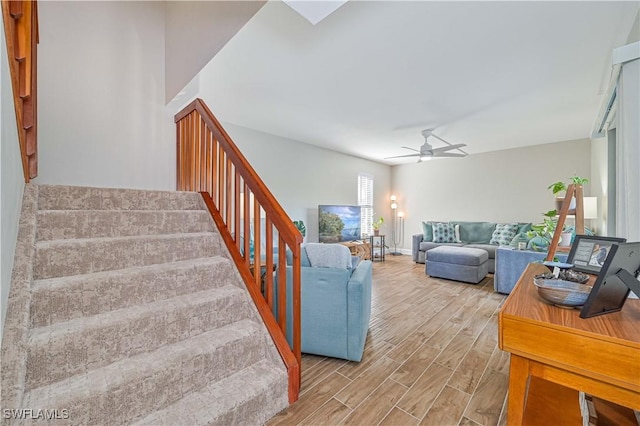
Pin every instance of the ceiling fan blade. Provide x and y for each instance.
(412, 149)
(403, 156)
(448, 148)
(449, 154)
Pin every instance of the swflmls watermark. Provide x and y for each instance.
(35, 414)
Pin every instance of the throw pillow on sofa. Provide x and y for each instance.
(504, 233)
(427, 231)
(444, 233)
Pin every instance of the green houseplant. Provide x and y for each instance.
(377, 224)
(299, 224)
(541, 234)
(558, 187)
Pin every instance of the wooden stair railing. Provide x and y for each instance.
(249, 219)
(21, 33)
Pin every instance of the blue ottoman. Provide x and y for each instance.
(457, 263)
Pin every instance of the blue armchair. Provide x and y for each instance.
(335, 304)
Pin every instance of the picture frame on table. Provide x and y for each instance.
(589, 252)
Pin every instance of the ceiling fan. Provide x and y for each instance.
(427, 151)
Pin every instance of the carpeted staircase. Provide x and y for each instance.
(125, 308)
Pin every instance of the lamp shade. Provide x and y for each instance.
(590, 205)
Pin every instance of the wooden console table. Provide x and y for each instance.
(555, 353)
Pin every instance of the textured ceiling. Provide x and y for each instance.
(369, 77)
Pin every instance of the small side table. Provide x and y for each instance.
(377, 248)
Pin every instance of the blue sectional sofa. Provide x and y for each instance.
(471, 234)
(510, 264)
(335, 306)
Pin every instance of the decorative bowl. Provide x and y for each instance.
(561, 292)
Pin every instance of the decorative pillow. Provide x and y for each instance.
(476, 232)
(456, 230)
(504, 233)
(329, 255)
(427, 231)
(444, 233)
(524, 227)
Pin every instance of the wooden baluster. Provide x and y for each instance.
(246, 223)
(257, 240)
(236, 209)
(282, 286)
(214, 171)
(207, 160)
(268, 285)
(228, 193)
(297, 341)
(202, 185)
(220, 175)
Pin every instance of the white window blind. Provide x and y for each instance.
(365, 201)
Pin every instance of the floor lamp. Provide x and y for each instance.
(397, 226)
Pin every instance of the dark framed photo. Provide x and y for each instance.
(588, 253)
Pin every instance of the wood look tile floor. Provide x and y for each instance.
(431, 358)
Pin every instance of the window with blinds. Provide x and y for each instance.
(365, 201)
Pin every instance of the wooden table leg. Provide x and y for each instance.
(518, 381)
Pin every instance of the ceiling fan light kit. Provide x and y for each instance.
(427, 151)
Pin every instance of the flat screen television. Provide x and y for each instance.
(338, 223)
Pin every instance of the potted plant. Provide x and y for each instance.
(560, 186)
(299, 224)
(541, 234)
(377, 224)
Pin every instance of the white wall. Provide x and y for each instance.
(302, 176)
(101, 96)
(509, 185)
(195, 32)
(11, 181)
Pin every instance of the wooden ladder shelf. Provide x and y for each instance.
(573, 190)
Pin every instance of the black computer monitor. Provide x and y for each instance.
(619, 275)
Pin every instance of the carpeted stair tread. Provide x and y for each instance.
(74, 224)
(73, 347)
(127, 302)
(52, 197)
(64, 298)
(245, 397)
(138, 385)
(60, 258)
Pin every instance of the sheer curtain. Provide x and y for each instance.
(628, 152)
